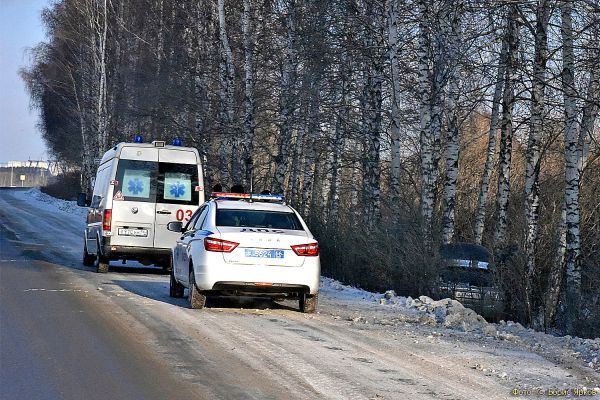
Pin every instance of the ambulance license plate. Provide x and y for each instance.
(261, 253)
(133, 232)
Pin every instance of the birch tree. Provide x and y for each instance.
(506, 136)
(452, 27)
(491, 144)
(533, 153)
(247, 143)
(286, 95)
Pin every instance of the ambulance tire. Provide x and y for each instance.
(175, 288)
(88, 259)
(101, 263)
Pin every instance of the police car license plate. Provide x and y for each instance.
(133, 232)
(260, 253)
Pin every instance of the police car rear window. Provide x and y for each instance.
(258, 219)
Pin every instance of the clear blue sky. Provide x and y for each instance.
(20, 29)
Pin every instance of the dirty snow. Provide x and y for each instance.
(443, 332)
(445, 313)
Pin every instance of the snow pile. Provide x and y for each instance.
(50, 203)
(377, 309)
(335, 289)
(449, 313)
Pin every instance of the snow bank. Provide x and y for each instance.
(49, 203)
(451, 314)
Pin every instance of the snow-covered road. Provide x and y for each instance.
(354, 348)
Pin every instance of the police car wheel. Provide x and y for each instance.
(308, 303)
(88, 259)
(175, 288)
(197, 300)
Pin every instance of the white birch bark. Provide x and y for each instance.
(227, 68)
(98, 21)
(247, 142)
(506, 136)
(394, 54)
(533, 153)
(572, 289)
(373, 80)
(452, 19)
(427, 140)
(491, 146)
(564, 283)
(286, 100)
(311, 138)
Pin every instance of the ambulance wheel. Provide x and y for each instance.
(308, 303)
(88, 259)
(101, 263)
(175, 288)
(195, 297)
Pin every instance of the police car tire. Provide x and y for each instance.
(88, 259)
(197, 300)
(175, 288)
(308, 303)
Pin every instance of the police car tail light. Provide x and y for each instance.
(107, 220)
(307, 250)
(220, 245)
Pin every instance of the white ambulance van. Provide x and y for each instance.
(139, 188)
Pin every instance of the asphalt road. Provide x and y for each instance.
(56, 345)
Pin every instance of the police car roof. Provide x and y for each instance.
(255, 205)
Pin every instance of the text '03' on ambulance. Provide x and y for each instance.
(139, 188)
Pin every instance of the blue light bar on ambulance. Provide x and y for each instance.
(138, 139)
(248, 196)
(177, 142)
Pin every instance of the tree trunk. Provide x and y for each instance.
(533, 154)
(506, 136)
(394, 55)
(247, 142)
(428, 175)
(572, 289)
(452, 137)
(286, 100)
(491, 147)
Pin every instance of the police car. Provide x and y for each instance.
(245, 245)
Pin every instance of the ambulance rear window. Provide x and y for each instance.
(136, 181)
(177, 183)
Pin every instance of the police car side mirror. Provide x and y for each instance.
(82, 200)
(175, 226)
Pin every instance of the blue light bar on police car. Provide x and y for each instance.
(258, 197)
(267, 197)
(138, 139)
(177, 142)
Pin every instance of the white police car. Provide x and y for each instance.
(245, 244)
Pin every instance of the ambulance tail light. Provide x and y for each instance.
(306, 250)
(219, 245)
(107, 220)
